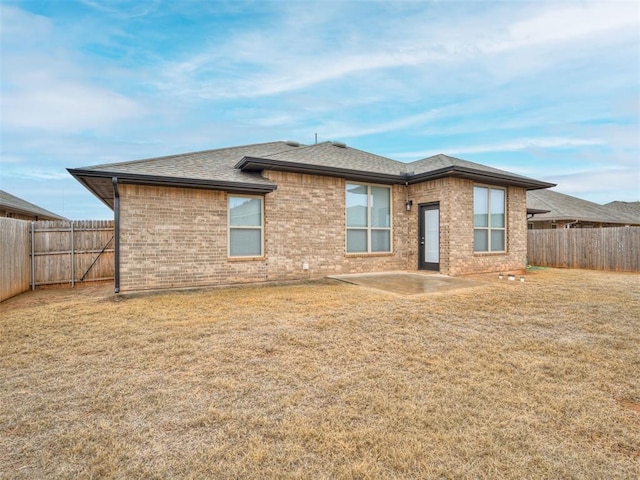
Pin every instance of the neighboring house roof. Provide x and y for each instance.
(565, 207)
(237, 169)
(14, 204)
(630, 210)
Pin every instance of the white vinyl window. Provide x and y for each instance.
(245, 226)
(489, 219)
(368, 218)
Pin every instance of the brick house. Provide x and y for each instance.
(15, 207)
(282, 210)
(550, 210)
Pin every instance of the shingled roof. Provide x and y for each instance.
(630, 210)
(566, 207)
(14, 204)
(238, 169)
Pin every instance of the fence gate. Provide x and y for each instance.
(68, 252)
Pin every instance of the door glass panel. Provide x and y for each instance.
(432, 236)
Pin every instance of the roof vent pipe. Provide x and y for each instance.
(339, 144)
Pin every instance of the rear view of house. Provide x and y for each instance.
(282, 210)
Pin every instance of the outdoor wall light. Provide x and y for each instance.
(408, 204)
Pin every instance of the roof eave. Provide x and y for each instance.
(536, 211)
(31, 213)
(254, 164)
(83, 180)
(83, 176)
(578, 218)
(480, 176)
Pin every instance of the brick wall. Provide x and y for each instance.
(177, 237)
(456, 228)
(17, 216)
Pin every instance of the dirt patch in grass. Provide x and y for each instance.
(326, 380)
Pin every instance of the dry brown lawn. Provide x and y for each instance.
(325, 380)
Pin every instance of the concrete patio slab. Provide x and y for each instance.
(408, 283)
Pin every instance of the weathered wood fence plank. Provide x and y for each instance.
(15, 268)
(61, 252)
(614, 249)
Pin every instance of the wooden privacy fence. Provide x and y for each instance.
(615, 249)
(47, 253)
(15, 267)
(70, 252)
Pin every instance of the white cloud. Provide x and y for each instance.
(284, 58)
(543, 78)
(508, 146)
(601, 184)
(46, 85)
(122, 9)
(66, 106)
(561, 23)
(348, 130)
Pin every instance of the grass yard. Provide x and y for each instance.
(325, 380)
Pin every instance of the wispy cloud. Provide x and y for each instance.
(540, 87)
(124, 9)
(22, 172)
(50, 88)
(281, 61)
(509, 146)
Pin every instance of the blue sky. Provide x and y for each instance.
(550, 90)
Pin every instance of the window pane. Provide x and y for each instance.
(480, 241)
(480, 207)
(356, 205)
(380, 207)
(380, 241)
(356, 241)
(432, 236)
(497, 209)
(497, 241)
(245, 242)
(245, 211)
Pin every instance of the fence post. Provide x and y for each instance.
(33, 256)
(73, 269)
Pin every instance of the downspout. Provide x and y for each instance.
(568, 225)
(116, 233)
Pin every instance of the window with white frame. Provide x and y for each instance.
(245, 226)
(368, 218)
(489, 219)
